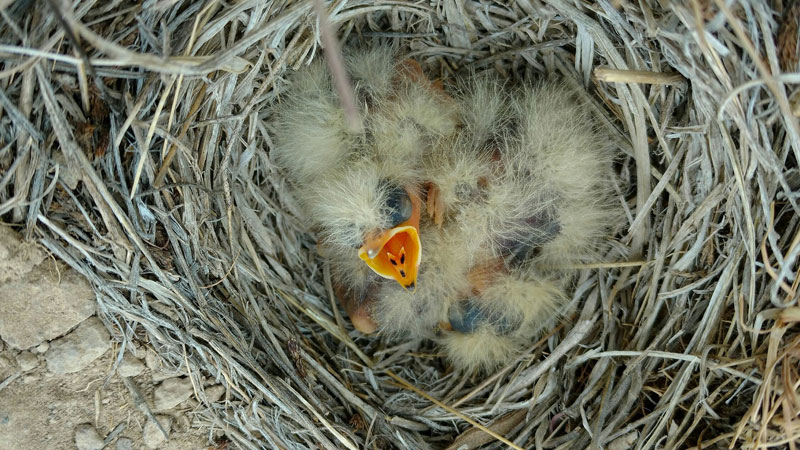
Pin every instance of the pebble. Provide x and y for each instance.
(17, 257)
(42, 348)
(27, 361)
(124, 443)
(158, 369)
(182, 423)
(172, 392)
(78, 349)
(69, 173)
(137, 350)
(87, 437)
(41, 299)
(6, 364)
(214, 393)
(28, 379)
(152, 436)
(130, 366)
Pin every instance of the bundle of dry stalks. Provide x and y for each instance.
(134, 145)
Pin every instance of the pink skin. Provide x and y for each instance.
(356, 309)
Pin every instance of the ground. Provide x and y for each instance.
(42, 410)
(58, 385)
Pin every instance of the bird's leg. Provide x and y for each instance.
(411, 71)
(434, 204)
(484, 274)
(357, 307)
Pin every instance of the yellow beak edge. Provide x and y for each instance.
(395, 254)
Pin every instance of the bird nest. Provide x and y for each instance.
(135, 145)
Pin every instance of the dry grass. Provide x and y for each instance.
(134, 144)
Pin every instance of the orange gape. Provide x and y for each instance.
(396, 253)
(399, 256)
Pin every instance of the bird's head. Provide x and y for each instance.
(396, 252)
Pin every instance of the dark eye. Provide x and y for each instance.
(398, 205)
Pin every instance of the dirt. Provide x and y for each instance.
(41, 410)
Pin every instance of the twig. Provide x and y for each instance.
(609, 75)
(333, 56)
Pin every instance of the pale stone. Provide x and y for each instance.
(158, 370)
(214, 393)
(27, 361)
(30, 378)
(78, 349)
(17, 257)
(130, 366)
(47, 302)
(42, 348)
(68, 173)
(87, 437)
(152, 436)
(171, 393)
(124, 443)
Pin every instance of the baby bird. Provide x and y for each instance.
(457, 213)
(361, 191)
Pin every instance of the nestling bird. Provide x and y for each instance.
(457, 211)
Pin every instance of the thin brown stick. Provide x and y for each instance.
(333, 56)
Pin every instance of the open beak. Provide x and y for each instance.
(396, 253)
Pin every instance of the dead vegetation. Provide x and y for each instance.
(134, 145)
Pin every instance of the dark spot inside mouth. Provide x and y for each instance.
(410, 286)
(394, 263)
(403, 273)
(402, 258)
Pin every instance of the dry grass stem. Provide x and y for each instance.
(135, 142)
(637, 76)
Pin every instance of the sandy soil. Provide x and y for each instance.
(41, 410)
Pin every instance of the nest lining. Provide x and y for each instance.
(156, 184)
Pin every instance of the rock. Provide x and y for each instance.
(41, 348)
(158, 370)
(30, 378)
(47, 302)
(171, 393)
(181, 424)
(87, 437)
(17, 257)
(214, 393)
(130, 366)
(153, 437)
(76, 350)
(27, 361)
(69, 174)
(124, 443)
(6, 365)
(137, 350)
